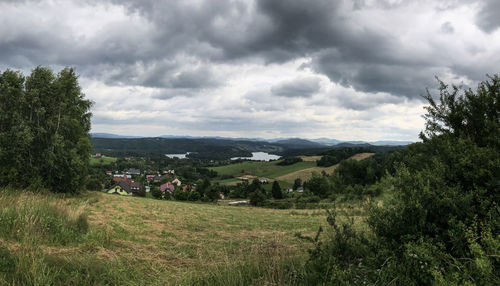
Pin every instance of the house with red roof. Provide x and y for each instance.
(168, 186)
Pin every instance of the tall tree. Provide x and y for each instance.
(276, 191)
(44, 130)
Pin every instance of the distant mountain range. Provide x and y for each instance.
(287, 142)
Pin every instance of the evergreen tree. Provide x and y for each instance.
(276, 191)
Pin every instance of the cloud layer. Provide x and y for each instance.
(341, 69)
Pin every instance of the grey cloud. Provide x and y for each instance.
(367, 101)
(488, 18)
(218, 31)
(447, 28)
(300, 87)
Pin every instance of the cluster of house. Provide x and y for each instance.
(126, 185)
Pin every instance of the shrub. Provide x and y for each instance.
(289, 161)
(193, 196)
(180, 195)
(257, 198)
(442, 225)
(156, 192)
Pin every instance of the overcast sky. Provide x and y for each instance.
(350, 70)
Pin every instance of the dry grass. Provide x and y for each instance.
(138, 241)
(306, 174)
(183, 237)
(310, 158)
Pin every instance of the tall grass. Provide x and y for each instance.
(31, 224)
(52, 239)
(38, 218)
(268, 263)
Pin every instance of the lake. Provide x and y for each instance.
(259, 156)
(180, 156)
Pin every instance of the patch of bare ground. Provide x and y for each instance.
(310, 158)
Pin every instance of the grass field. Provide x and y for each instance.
(102, 161)
(108, 239)
(284, 174)
(261, 169)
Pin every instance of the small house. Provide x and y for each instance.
(121, 188)
(168, 186)
(132, 171)
(135, 187)
(177, 182)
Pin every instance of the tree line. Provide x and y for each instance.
(44, 130)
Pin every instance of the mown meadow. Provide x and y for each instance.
(97, 239)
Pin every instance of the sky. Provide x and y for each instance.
(349, 70)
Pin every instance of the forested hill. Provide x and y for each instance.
(206, 148)
(215, 148)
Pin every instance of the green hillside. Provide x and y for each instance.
(261, 169)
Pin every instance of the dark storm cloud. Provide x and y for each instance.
(488, 17)
(300, 87)
(149, 53)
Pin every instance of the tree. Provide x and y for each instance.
(257, 197)
(276, 191)
(44, 129)
(442, 226)
(193, 196)
(156, 192)
(297, 183)
(319, 186)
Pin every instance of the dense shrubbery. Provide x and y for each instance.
(442, 226)
(289, 161)
(334, 156)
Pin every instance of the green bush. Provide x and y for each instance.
(194, 196)
(156, 192)
(442, 224)
(257, 198)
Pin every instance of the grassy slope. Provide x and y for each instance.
(284, 174)
(261, 169)
(102, 161)
(133, 241)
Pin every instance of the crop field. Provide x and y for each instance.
(284, 174)
(110, 239)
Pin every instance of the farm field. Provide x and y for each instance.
(261, 169)
(102, 161)
(132, 241)
(284, 174)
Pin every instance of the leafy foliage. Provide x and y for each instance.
(442, 226)
(276, 191)
(44, 125)
(334, 156)
(289, 161)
